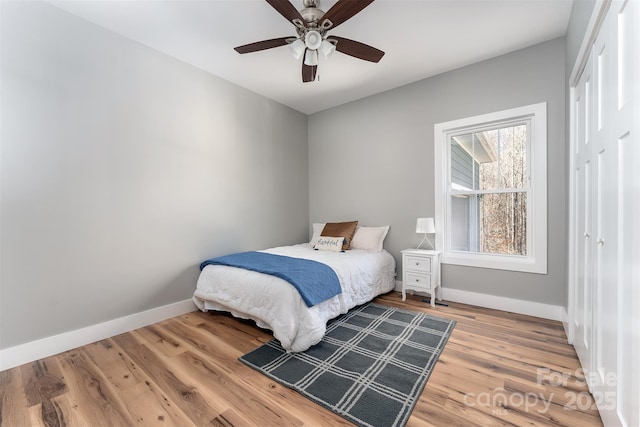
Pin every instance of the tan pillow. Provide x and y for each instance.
(341, 229)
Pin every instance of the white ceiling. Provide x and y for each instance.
(421, 38)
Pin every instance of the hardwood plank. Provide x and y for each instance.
(167, 344)
(185, 371)
(148, 406)
(229, 371)
(116, 366)
(43, 381)
(254, 411)
(13, 401)
(91, 389)
(184, 395)
(47, 414)
(228, 418)
(143, 399)
(74, 414)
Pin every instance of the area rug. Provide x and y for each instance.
(370, 367)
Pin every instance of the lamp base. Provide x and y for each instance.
(423, 239)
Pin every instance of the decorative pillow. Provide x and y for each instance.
(326, 243)
(369, 239)
(317, 229)
(341, 229)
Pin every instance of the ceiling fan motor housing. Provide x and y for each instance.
(311, 16)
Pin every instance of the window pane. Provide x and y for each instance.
(464, 170)
(465, 223)
(490, 223)
(502, 158)
(503, 228)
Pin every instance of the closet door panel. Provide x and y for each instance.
(624, 141)
(583, 312)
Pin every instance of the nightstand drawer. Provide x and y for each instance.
(418, 281)
(418, 263)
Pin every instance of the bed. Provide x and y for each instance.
(275, 304)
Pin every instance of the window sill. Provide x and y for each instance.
(496, 262)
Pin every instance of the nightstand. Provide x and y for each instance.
(421, 272)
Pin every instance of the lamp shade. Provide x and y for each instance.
(327, 48)
(311, 57)
(425, 225)
(297, 48)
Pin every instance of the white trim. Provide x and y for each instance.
(597, 17)
(529, 308)
(34, 350)
(567, 327)
(537, 309)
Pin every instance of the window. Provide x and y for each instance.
(491, 190)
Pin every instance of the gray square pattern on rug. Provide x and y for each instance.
(370, 367)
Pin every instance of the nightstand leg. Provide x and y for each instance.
(433, 299)
(404, 295)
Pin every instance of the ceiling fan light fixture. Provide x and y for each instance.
(327, 48)
(313, 39)
(297, 48)
(311, 57)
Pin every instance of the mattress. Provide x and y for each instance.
(275, 304)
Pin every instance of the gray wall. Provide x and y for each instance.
(580, 16)
(122, 168)
(372, 159)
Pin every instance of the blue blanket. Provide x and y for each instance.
(315, 281)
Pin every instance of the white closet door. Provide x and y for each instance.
(621, 323)
(583, 298)
(603, 373)
(605, 294)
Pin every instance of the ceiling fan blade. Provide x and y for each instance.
(357, 49)
(286, 9)
(341, 11)
(308, 72)
(262, 45)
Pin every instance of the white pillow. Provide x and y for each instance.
(369, 239)
(325, 243)
(317, 230)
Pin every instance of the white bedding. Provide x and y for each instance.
(275, 304)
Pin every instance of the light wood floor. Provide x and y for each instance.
(497, 369)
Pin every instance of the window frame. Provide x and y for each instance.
(535, 260)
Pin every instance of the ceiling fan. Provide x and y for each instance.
(312, 25)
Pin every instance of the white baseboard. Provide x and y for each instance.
(34, 350)
(530, 308)
(546, 311)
